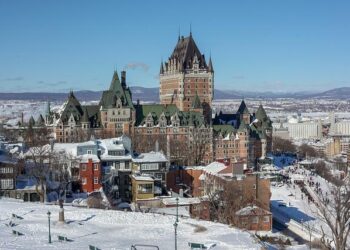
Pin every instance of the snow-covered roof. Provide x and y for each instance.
(182, 201)
(86, 157)
(214, 167)
(150, 157)
(252, 210)
(142, 178)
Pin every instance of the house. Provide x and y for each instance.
(90, 173)
(8, 173)
(142, 187)
(187, 179)
(154, 164)
(254, 218)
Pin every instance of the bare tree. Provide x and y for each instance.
(306, 150)
(280, 145)
(333, 204)
(39, 160)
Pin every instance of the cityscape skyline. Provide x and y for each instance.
(270, 46)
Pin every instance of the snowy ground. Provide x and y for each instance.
(108, 229)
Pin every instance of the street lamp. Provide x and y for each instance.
(48, 216)
(176, 221)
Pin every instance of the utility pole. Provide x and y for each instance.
(176, 221)
(48, 216)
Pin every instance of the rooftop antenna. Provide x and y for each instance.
(190, 29)
(178, 38)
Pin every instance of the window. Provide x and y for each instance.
(84, 181)
(266, 219)
(149, 166)
(159, 176)
(145, 188)
(6, 170)
(83, 167)
(89, 152)
(6, 184)
(95, 180)
(255, 220)
(96, 167)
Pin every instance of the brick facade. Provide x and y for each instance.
(90, 175)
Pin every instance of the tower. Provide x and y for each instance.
(185, 75)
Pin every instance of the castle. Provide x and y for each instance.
(182, 125)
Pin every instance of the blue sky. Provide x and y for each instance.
(281, 45)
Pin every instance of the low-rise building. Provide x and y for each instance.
(90, 173)
(142, 187)
(152, 163)
(254, 218)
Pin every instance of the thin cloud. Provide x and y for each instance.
(136, 65)
(14, 79)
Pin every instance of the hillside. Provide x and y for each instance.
(152, 95)
(107, 229)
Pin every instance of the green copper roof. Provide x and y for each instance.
(223, 129)
(116, 91)
(261, 113)
(156, 110)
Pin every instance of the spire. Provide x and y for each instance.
(161, 71)
(260, 113)
(243, 108)
(85, 117)
(210, 66)
(115, 83)
(40, 121)
(190, 29)
(48, 108)
(31, 121)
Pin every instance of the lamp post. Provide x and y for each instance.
(176, 221)
(48, 216)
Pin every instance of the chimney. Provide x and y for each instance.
(123, 78)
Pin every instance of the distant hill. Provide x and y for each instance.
(337, 93)
(152, 95)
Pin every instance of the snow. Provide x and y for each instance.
(214, 167)
(142, 178)
(150, 157)
(86, 157)
(107, 229)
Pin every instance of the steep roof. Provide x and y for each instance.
(157, 110)
(210, 66)
(31, 121)
(115, 85)
(72, 106)
(40, 121)
(116, 91)
(243, 108)
(161, 71)
(185, 51)
(223, 129)
(261, 113)
(85, 117)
